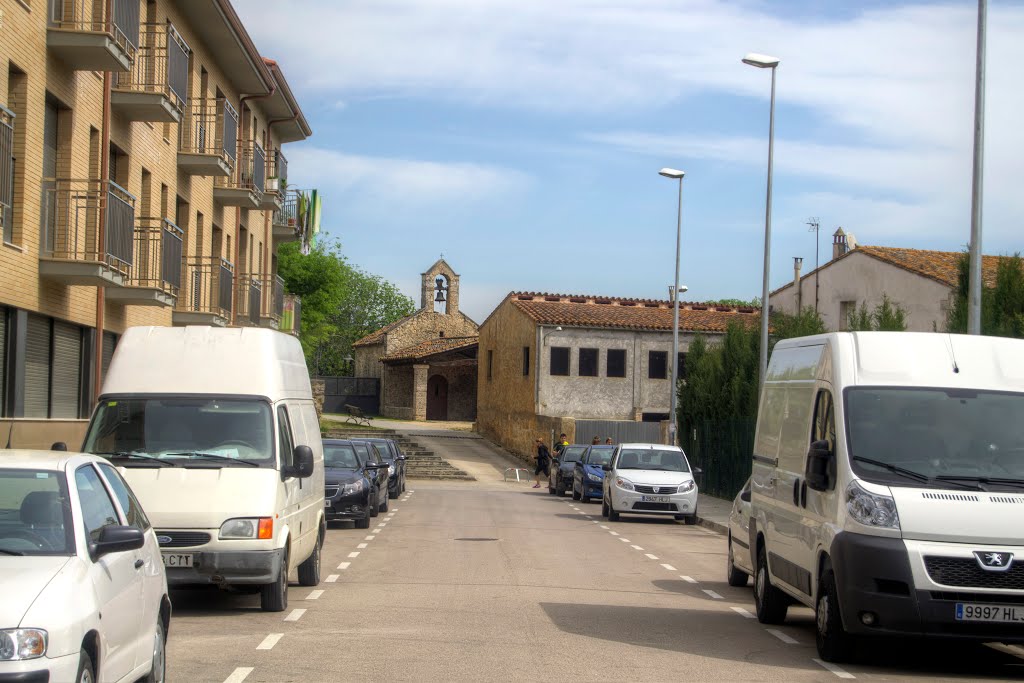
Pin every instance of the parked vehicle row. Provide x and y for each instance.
(360, 476)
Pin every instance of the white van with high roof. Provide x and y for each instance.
(888, 487)
(216, 432)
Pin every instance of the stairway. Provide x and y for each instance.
(420, 463)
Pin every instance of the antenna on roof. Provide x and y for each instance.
(814, 225)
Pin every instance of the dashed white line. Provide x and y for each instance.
(382, 524)
(688, 579)
(713, 594)
(603, 526)
(744, 613)
(344, 565)
(782, 636)
(239, 674)
(614, 533)
(295, 615)
(331, 578)
(362, 545)
(651, 557)
(624, 540)
(669, 567)
(834, 669)
(369, 538)
(270, 641)
(314, 595)
(354, 554)
(636, 547)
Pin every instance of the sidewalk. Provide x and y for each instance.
(713, 513)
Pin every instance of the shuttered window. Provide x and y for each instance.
(3, 361)
(66, 384)
(37, 366)
(109, 342)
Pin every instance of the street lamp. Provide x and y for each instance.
(673, 174)
(766, 62)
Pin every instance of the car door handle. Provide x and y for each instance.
(139, 564)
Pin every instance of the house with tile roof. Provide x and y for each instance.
(425, 362)
(922, 281)
(552, 363)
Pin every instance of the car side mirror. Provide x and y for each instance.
(59, 446)
(698, 470)
(302, 456)
(820, 469)
(117, 539)
(375, 465)
(606, 468)
(402, 458)
(745, 496)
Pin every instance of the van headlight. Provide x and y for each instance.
(247, 527)
(22, 643)
(624, 484)
(871, 509)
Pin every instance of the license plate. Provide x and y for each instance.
(655, 499)
(177, 560)
(966, 611)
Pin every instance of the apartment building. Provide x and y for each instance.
(142, 182)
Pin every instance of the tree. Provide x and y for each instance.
(1002, 306)
(886, 317)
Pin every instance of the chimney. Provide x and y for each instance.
(839, 245)
(799, 298)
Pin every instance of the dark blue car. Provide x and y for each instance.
(560, 479)
(588, 475)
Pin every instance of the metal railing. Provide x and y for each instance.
(250, 299)
(209, 281)
(210, 127)
(277, 167)
(6, 173)
(158, 250)
(91, 15)
(161, 65)
(288, 215)
(71, 219)
(250, 171)
(273, 303)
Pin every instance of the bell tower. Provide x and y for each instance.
(440, 289)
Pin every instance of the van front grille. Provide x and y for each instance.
(965, 572)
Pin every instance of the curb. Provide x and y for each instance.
(714, 526)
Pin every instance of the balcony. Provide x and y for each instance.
(155, 275)
(286, 219)
(205, 297)
(250, 301)
(277, 181)
(245, 186)
(273, 303)
(94, 35)
(208, 138)
(74, 252)
(290, 314)
(157, 86)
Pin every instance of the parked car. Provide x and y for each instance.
(393, 456)
(84, 593)
(370, 453)
(738, 567)
(649, 479)
(219, 437)
(588, 472)
(562, 466)
(351, 488)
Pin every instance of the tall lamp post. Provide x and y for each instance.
(673, 174)
(766, 62)
(974, 272)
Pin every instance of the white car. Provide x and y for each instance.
(738, 566)
(84, 596)
(649, 479)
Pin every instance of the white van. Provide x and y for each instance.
(216, 432)
(888, 487)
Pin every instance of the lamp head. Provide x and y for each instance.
(672, 173)
(761, 61)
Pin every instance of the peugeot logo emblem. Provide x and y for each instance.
(163, 540)
(992, 561)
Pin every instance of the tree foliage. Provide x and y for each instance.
(886, 317)
(340, 303)
(1002, 306)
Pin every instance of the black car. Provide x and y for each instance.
(560, 479)
(392, 454)
(371, 453)
(351, 491)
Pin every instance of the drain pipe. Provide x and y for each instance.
(101, 231)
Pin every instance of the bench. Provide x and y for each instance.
(356, 415)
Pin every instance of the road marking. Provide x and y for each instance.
(624, 540)
(344, 565)
(651, 557)
(331, 578)
(354, 554)
(295, 615)
(270, 641)
(362, 545)
(636, 547)
(315, 595)
(833, 668)
(382, 525)
(369, 538)
(782, 636)
(688, 579)
(615, 533)
(239, 674)
(743, 612)
(391, 514)
(394, 510)
(603, 526)
(1015, 650)
(713, 594)
(669, 567)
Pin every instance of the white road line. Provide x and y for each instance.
(354, 554)
(344, 565)
(624, 540)
(369, 538)
(331, 578)
(743, 612)
(594, 521)
(834, 669)
(295, 615)
(314, 595)
(614, 533)
(669, 567)
(636, 547)
(603, 526)
(239, 674)
(713, 594)
(651, 557)
(362, 545)
(782, 636)
(382, 524)
(269, 642)
(688, 579)
(394, 510)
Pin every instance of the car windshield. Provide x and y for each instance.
(936, 437)
(384, 451)
(194, 432)
(652, 459)
(340, 456)
(600, 455)
(35, 515)
(572, 453)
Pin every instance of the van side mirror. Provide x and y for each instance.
(59, 446)
(117, 539)
(302, 456)
(820, 469)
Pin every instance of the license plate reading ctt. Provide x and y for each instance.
(177, 560)
(991, 613)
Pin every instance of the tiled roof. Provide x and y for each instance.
(378, 336)
(633, 314)
(432, 347)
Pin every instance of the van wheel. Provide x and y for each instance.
(309, 571)
(613, 516)
(274, 596)
(772, 604)
(86, 671)
(834, 643)
(158, 672)
(734, 576)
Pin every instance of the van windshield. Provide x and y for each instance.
(949, 438)
(190, 432)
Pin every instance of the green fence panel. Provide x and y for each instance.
(723, 450)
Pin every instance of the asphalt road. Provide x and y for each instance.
(495, 582)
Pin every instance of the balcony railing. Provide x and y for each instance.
(277, 169)
(245, 186)
(210, 128)
(207, 287)
(160, 69)
(290, 314)
(71, 221)
(158, 250)
(250, 300)
(273, 301)
(6, 172)
(91, 17)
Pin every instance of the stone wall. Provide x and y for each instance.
(517, 432)
(396, 392)
(462, 388)
(319, 387)
(426, 325)
(367, 360)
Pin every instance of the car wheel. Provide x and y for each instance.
(309, 571)
(584, 497)
(834, 643)
(394, 494)
(274, 596)
(575, 494)
(364, 523)
(734, 576)
(559, 487)
(613, 516)
(690, 520)
(771, 603)
(86, 671)
(551, 489)
(384, 505)
(158, 671)
(604, 507)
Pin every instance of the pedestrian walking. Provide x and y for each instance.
(543, 457)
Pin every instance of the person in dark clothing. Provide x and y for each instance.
(560, 446)
(543, 457)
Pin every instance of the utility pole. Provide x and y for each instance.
(974, 274)
(815, 227)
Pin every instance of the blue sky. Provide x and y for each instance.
(522, 138)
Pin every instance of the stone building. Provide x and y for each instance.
(426, 362)
(548, 362)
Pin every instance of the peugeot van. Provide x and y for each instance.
(888, 487)
(216, 432)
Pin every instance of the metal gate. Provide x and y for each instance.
(621, 431)
(362, 392)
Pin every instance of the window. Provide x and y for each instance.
(285, 442)
(825, 420)
(7, 173)
(560, 361)
(132, 510)
(54, 367)
(490, 364)
(526, 361)
(657, 365)
(97, 509)
(588, 362)
(681, 365)
(37, 517)
(616, 363)
(37, 366)
(846, 309)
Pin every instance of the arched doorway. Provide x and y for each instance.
(437, 398)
